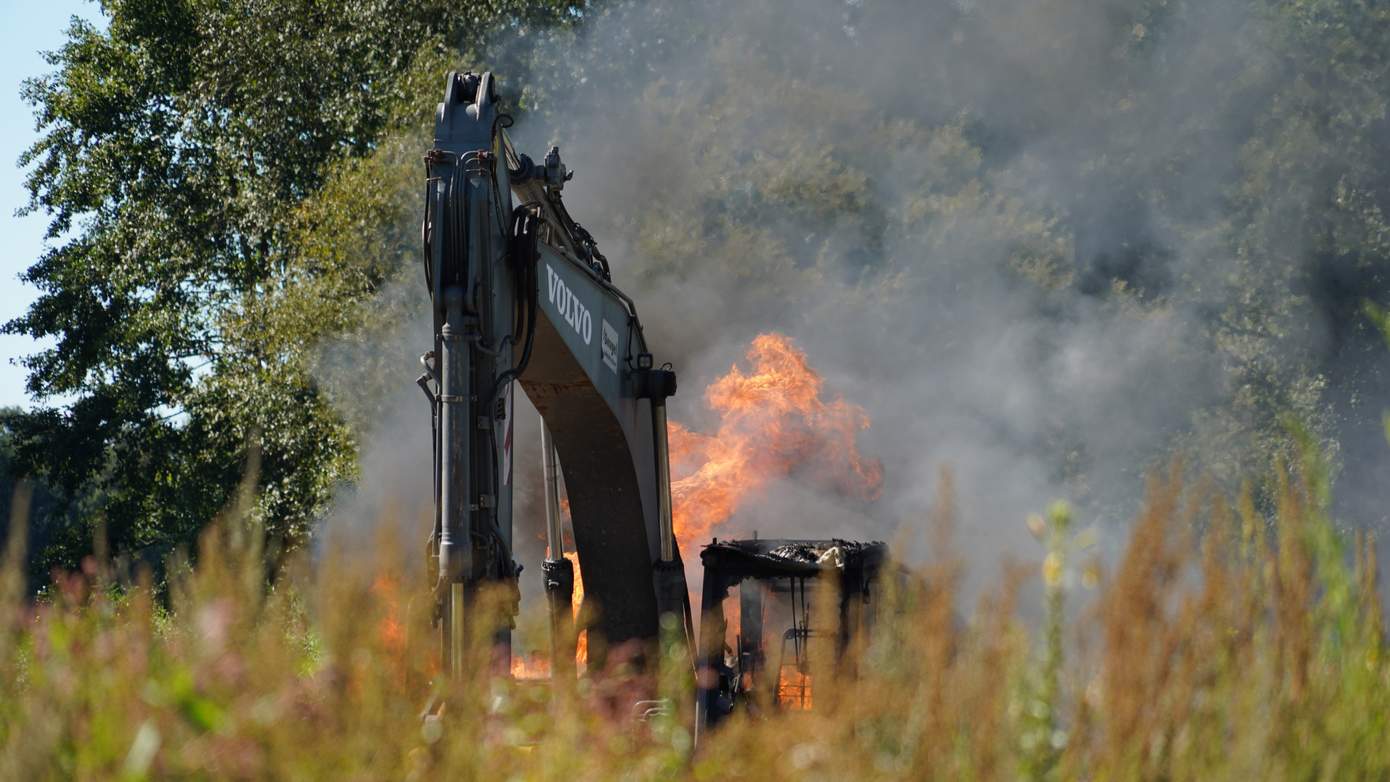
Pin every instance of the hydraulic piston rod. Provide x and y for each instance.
(663, 477)
(667, 577)
(455, 551)
(558, 571)
(550, 467)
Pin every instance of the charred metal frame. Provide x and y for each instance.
(855, 566)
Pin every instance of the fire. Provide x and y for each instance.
(530, 666)
(578, 599)
(794, 689)
(389, 630)
(773, 422)
(581, 644)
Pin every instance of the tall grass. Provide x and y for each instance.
(1225, 644)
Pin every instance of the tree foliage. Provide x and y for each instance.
(176, 143)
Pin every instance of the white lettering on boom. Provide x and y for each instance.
(571, 309)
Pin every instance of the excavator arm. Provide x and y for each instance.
(522, 297)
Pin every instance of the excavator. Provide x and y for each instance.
(522, 297)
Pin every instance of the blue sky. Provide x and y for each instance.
(28, 29)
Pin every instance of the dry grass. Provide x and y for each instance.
(1249, 650)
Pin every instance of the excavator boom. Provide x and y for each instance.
(522, 297)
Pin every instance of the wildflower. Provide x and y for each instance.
(1052, 570)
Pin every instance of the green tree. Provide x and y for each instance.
(53, 534)
(176, 145)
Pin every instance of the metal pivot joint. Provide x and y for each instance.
(559, 593)
(655, 385)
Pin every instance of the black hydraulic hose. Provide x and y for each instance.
(583, 238)
(425, 234)
(524, 225)
(433, 398)
(503, 120)
(458, 229)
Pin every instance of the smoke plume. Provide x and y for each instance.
(1001, 230)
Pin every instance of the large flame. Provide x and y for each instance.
(772, 422)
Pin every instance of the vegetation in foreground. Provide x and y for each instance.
(1226, 644)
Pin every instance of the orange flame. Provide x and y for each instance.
(581, 645)
(390, 631)
(794, 689)
(578, 599)
(773, 422)
(530, 666)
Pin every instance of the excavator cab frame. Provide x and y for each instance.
(794, 582)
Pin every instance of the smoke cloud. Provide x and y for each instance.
(998, 228)
(820, 169)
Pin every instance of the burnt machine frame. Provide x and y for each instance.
(853, 568)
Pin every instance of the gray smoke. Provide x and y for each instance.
(918, 193)
(818, 169)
